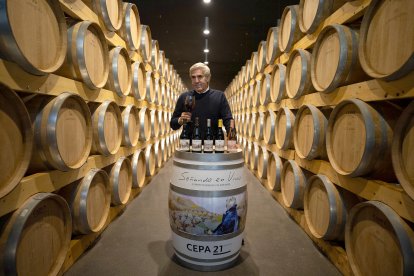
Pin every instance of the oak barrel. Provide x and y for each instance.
(108, 11)
(145, 46)
(33, 34)
(63, 132)
(402, 149)
(289, 31)
(272, 45)
(278, 86)
(87, 57)
(253, 65)
(131, 126)
(256, 93)
(254, 153)
(129, 30)
(326, 208)
(138, 88)
(144, 121)
(155, 48)
(335, 60)
(265, 89)
(120, 181)
(138, 168)
(274, 171)
(293, 184)
(36, 237)
(262, 162)
(120, 72)
(378, 241)
(158, 154)
(150, 87)
(298, 74)
(359, 137)
(107, 127)
(285, 121)
(150, 160)
(16, 139)
(269, 131)
(309, 133)
(386, 48)
(259, 126)
(155, 128)
(313, 13)
(89, 200)
(207, 209)
(261, 56)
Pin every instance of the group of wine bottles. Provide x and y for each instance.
(209, 143)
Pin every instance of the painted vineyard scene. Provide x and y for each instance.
(207, 215)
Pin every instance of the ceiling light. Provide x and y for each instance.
(206, 60)
(206, 30)
(206, 50)
(207, 1)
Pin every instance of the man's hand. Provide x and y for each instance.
(185, 117)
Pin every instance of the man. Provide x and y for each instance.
(209, 103)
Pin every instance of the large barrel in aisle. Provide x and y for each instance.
(87, 57)
(326, 208)
(33, 34)
(63, 132)
(378, 241)
(386, 48)
(36, 238)
(107, 127)
(402, 149)
(120, 72)
(359, 137)
(335, 60)
(16, 139)
(129, 30)
(120, 181)
(313, 13)
(138, 168)
(89, 199)
(207, 207)
(309, 132)
(109, 12)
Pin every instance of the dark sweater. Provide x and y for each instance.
(210, 105)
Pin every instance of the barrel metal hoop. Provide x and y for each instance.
(343, 66)
(115, 76)
(209, 157)
(332, 206)
(126, 121)
(80, 53)
(207, 194)
(208, 167)
(316, 137)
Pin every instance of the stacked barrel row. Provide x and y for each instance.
(125, 131)
(277, 116)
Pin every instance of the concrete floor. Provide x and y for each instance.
(139, 241)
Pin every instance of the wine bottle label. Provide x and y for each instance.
(219, 145)
(231, 146)
(208, 145)
(184, 144)
(196, 145)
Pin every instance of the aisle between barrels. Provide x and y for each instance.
(139, 241)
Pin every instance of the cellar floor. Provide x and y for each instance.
(139, 242)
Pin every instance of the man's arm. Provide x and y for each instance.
(174, 123)
(225, 112)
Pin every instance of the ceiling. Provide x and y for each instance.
(236, 28)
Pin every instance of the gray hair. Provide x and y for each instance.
(204, 68)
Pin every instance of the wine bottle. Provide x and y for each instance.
(196, 143)
(184, 138)
(220, 137)
(232, 138)
(208, 138)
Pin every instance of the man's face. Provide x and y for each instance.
(199, 81)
